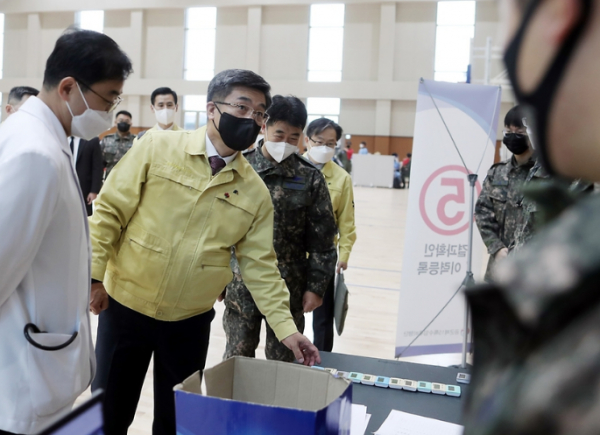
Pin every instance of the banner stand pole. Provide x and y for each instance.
(469, 281)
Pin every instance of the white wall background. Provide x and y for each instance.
(387, 48)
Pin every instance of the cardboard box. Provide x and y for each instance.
(249, 396)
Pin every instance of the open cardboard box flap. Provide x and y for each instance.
(272, 383)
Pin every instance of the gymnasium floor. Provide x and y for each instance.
(373, 279)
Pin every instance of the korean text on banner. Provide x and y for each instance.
(436, 243)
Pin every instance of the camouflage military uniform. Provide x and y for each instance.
(537, 334)
(304, 223)
(498, 211)
(550, 196)
(525, 231)
(114, 148)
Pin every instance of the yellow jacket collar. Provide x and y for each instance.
(196, 146)
(327, 169)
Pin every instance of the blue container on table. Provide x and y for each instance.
(249, 396)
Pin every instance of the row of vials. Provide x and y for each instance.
(396, 383)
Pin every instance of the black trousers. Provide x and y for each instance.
(323, 320)
(126, 342)
(3, 432)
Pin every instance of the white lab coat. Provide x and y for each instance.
(44, 271)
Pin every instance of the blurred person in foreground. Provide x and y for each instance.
(537, 330)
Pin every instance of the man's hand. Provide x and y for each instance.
(91, 197)
(221, 297)
(501, 254)
(341, 265)
(311, 301)
(98, 298)
(305, 352)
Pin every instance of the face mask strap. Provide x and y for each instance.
(82, 96)
(213, 120)
(539, 102)
(84, 100)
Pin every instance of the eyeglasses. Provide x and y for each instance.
(320, 144)
(113, 104)
(242, 111)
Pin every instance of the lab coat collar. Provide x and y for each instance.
(36, 107)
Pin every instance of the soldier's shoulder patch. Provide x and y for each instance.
(250, 155)
(497, 166)
(500, 182)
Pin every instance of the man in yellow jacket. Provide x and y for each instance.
(321, 138)
(161, 238)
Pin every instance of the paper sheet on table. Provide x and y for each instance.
(360, 419)
(403, 423)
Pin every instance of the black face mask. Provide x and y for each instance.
(538, 104)
(123, 127)
(516, 143)
(237, 133)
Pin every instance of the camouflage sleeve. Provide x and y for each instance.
(485, 217)
(102, 145)
(320, 233)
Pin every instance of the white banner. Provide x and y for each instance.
(436, 242)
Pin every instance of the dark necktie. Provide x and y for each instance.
(216, 164)
(72, 145)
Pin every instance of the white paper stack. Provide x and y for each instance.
(360, 419)
(403, 423)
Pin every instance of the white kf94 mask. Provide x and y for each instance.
(321, 154)
(280, 150)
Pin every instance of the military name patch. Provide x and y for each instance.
(293, 186)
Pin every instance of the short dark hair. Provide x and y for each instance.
(163, 91)
(223, 83)
(87, 56)
(514, 117)
(17, 93)
(319, 125)
(408, 155)
(288, 109)
(123, 112)
(395, 154)
(364, 143)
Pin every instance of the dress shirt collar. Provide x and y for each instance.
(212, 151)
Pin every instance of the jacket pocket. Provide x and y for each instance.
(142, 262)
(229, 220)
(58, 377)
(499, 199)
(212, 271)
